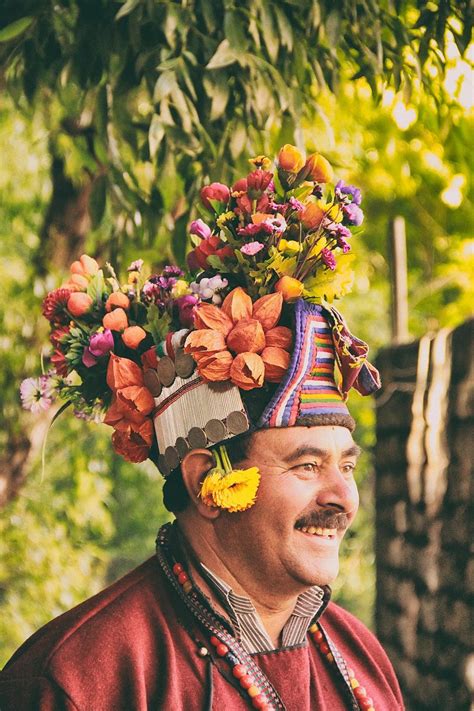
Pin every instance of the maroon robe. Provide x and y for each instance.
(126, 650)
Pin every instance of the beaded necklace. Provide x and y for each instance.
(246, 675)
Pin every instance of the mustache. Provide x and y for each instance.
(325, 519)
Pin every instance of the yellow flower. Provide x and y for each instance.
(289, 247)
(329, 284)
(180, 288)
(229, 489)
(260, 162)
(223, 219)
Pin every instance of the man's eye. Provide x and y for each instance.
(348, 468)
(308, 467)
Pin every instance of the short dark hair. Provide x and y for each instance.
(175, 494)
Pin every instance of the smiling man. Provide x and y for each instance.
(229, 384)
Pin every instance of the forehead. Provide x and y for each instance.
(282, 441)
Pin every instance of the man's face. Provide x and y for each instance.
(306, 501)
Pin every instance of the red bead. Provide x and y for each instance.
(182, 578)
(365, 703)
(259, 702)
(318, 636)
(324, 648)
(246, 681)
(214, 641)
(239, 671)
(360, 692)
(177, 568)
(222, 650)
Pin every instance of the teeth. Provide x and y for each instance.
(304, 529)
(312, 530)
(327, 532)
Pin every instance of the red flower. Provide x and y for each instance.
(257, 182)
(59, 363)
(54, 306)
(206, 248)
(56, 336)
(214, 191)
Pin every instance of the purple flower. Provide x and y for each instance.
(88, 359)
(199, 228)
(328, 258)
(342, 189)
(186, 306)
(101, 343)
(135, 266)
(251, 248)
(342, 231)
(353, 214)
(172, 271)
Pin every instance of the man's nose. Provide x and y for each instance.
(337, 491)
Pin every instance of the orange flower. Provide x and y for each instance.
(290, 158)
(313, 216)
(80, 281)
(247, 335)
(247, 371)
(133, 336)
(204, 342)
(79, 303)
(116, 320)
(319, 168)
(122, 372)
(210, 316)
(289, 287)
(117, 300)
(237, 305)
(215, 367)
(279, 337)
(267, 310)
(277, 362)
(134, 443)
(134, 401)
(85, 266)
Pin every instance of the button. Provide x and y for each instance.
(237, 422)
(152, 382)
(197, 438)
(215, 430)
(166, 371)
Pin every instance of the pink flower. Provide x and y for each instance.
(186, 306)
(135, 266)
(36, 394)
(328, 258)
(214, 191)
(251, 248)
(251, 230)
(199, 228)
(88, 359)
(101, 343)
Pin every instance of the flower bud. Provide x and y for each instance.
(117, 300)
(279, 337)
(133, 336)
(215, 367)
(214, 191)
(247, 371)
(290, 158)
(289, 287)
(313, 215)
(80, 281)
(319, 169)
(116, 320)
(199, 228)
(277, 362)
(246, 336)
(79, 304)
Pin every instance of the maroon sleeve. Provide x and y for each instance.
(34, 694)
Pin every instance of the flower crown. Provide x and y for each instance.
(275, 236)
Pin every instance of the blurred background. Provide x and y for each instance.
(112, 115)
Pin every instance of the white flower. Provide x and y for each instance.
(37, 393)
(208, 288)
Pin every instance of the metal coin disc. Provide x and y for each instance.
(163, 466)
(166, 371)
(215, 430)
(152, 382)
(171, 458)
(237, 422)
(182, 447)
(197, 438)
(184, 363)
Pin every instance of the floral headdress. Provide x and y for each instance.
(245, 337)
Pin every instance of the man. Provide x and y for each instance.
(254, 439)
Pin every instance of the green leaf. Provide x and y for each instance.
(156, 134)
(15, 29)
(127, 8)
(158, 325)
(223, 56)
(96, 287)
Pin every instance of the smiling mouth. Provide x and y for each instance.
(321, 532)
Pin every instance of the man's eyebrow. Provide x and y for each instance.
(308, 450)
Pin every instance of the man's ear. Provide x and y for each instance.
(194, 468)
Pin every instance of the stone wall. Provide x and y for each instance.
(425, 568)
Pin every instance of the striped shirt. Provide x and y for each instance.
(248, 626)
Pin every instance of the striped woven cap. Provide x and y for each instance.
(309, 395)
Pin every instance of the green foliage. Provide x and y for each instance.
(154, 96)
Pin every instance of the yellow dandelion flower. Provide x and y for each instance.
(260, 162)
(223, 219)
(180, 288)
